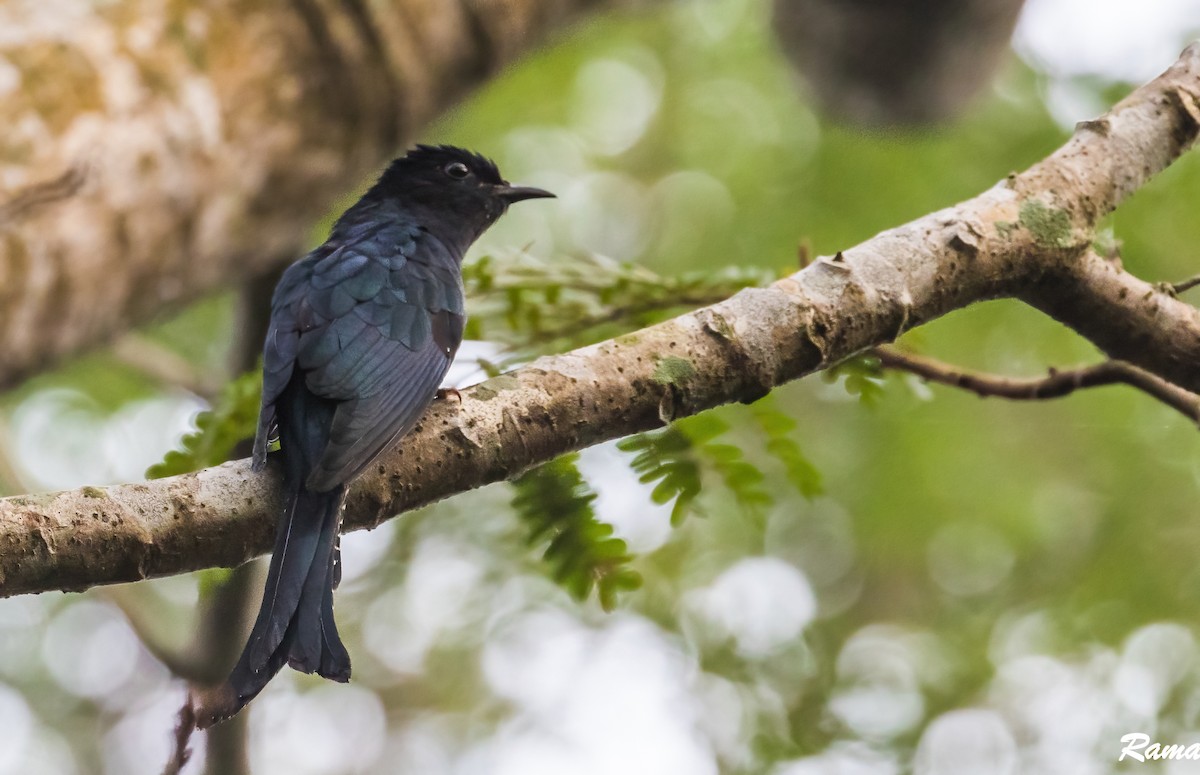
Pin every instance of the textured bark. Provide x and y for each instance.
(1126, 317)
(1024, 235)
(154, 151)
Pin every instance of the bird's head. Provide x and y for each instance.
(462, 191)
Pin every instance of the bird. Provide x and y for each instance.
(362, 331)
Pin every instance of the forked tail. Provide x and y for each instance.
(295, 623)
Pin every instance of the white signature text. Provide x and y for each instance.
(1138, 746)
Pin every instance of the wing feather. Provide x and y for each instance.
(364, 427)
(368, 327)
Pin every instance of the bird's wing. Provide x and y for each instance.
(280, 348)
(406, 381)
(369, 328)
(313, 297)
(393, 326)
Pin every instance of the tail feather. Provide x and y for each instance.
(295, 623)
(308, 646)
(335, 660)
(298, 553)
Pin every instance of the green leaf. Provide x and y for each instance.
(778, 426)
(677, 457)
(633, 443)
(863, 378)
(580, 550)
(683, 505)
(232, 419)
(703, 427)
(802, 474)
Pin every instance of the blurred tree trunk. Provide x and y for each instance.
(896, 61)
(154, 151)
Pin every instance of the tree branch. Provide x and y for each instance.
(1057, 385)
(1126, 317)
(1031, 231)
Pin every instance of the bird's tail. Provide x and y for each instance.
(295, 623)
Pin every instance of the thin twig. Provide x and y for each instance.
(1185, 285)
(1056, 385)
(804, 253)
(183, 736)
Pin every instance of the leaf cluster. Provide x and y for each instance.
(862, 376)
(219, 430)
(530, 305)
(556, 503)
(677, 458)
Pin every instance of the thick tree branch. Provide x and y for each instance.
(1126, 317)
(1032, 230)
(154, 152)
(1058, 384)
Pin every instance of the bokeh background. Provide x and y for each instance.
(981, 587)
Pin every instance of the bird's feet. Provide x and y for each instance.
(445, 393)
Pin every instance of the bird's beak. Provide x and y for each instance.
(511, 193)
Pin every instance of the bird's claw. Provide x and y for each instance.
(444, 393)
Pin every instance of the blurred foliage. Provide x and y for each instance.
(232, 419)
(582, 553)
(667, 457)
(675, 457)
(1018, 580)
(778, 426)
(861, 376)
(532, 305)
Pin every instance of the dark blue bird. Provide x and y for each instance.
(363, 330)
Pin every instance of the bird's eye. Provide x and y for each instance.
(457, 170)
